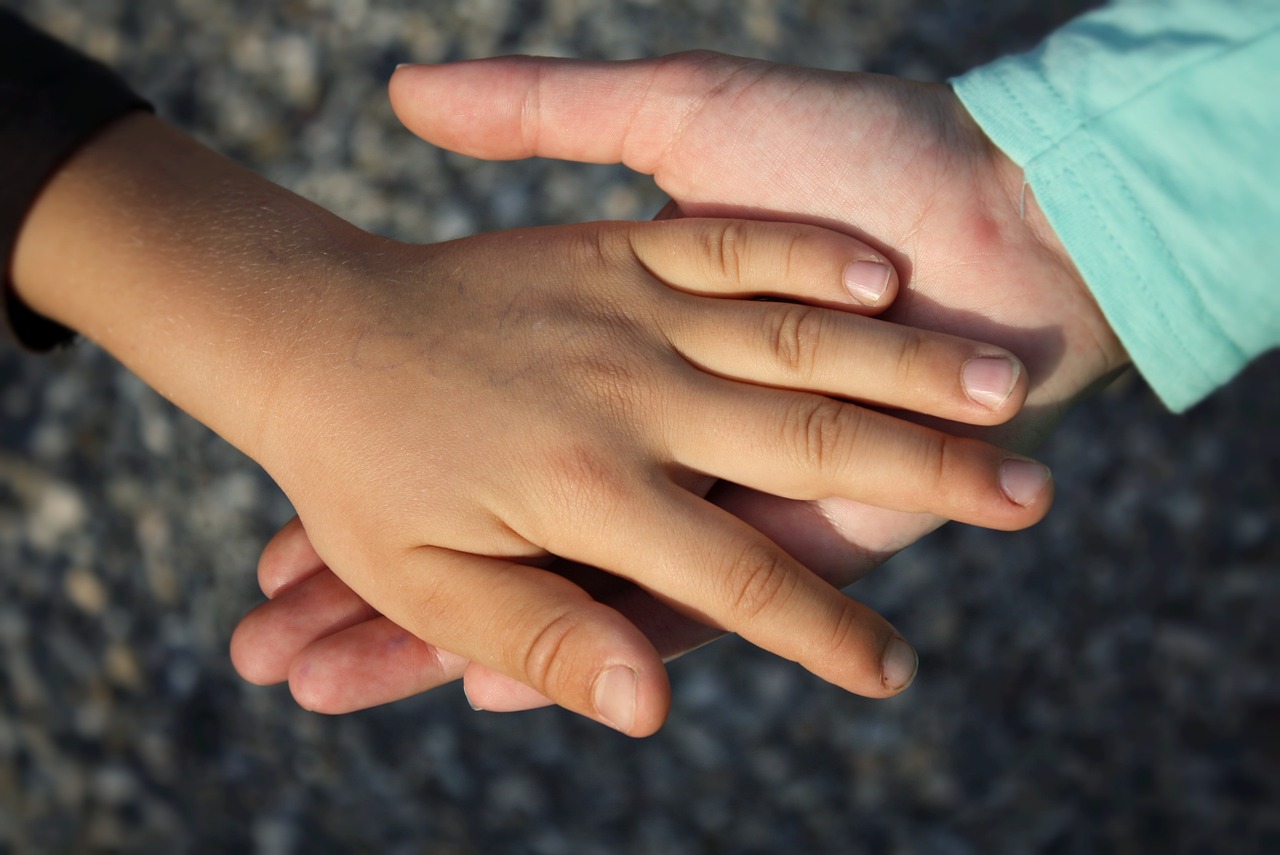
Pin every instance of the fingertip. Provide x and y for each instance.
(997, 383)
(869, 657)
(321, 682)
(542, 630)
(255, 662)
(313, 695)
(873, 283)
(615, 695)
(669, 211)
(622, 699)
(865, 282)
(632, 701)
(405, 89)
(1026, 483)
(629, 691)
(287, 560)
(489, 690)
(898, 665)
(407, 71)
(608, 670)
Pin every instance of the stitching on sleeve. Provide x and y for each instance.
(1044, 141)
(1141, 280)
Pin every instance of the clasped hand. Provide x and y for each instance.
(574, 392)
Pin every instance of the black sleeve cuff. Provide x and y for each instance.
(52, 100)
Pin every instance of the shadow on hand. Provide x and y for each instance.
(829, 552)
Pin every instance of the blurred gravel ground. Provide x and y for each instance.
(1104, 682)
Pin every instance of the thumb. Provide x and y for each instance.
(595, 112)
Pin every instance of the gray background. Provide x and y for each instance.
(1104, 682)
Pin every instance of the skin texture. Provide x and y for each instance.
(446, 418)
(897, 164)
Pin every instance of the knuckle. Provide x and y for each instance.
(701, 70)
(594, 247)
(618, 387)
(910, 356)
(795, 335)
(548, 657)
(847, 632)
(799, 247)
(692, 60)
(592, 451)
(530, 118)
(606, 360)
(760, 579)
(725, 247)
(584, 491)
(271, 569)
(578, 476)
(823, 431)
(423, 595)
(935, 455)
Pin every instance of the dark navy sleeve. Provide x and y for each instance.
(52, 99)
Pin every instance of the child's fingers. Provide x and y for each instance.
(746, 258)
(371, 663)
(807, 346)
(707, 564)
(804, 446)
(838, 353)
(533, 626)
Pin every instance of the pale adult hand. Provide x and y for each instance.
(898, 164)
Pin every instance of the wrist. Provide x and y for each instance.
(197, 274)
(1108, 356)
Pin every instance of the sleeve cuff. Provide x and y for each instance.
(52, 101)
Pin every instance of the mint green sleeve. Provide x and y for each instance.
(1150, 134)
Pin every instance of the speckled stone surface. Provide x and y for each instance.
(1104, 682)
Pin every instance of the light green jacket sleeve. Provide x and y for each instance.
(1150, 134)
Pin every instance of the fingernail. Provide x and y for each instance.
(989, 380)
(867, 281)
(403, 65)
(899, 665)
(470, 702)
(615, 698)
(1023, 480)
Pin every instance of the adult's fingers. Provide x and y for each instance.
(264, 644)
(287, 559)
(306, 602)
(493, 691)
(371, 663)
